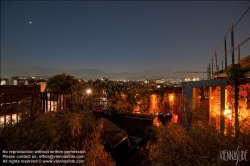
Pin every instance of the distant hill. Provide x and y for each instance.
(45, 73)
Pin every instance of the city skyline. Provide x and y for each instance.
(117, 39)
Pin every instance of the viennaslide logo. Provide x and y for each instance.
(234, 155)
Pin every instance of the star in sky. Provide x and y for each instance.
(148, 39)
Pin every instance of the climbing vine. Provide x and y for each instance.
(237, 92)
(235, 76)
(242, 94)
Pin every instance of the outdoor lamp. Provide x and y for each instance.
(88, 91)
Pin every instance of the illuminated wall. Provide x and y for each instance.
(153, 104)
(214, 110)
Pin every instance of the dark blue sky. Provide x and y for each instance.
(100, 38)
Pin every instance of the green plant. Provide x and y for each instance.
(62, 82)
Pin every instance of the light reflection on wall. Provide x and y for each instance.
(8, 118)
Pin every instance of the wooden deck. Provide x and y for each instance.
(244, 63)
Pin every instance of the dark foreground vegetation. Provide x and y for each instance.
(198, 143)
(65, 131)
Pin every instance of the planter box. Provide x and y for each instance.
(129, 122)
(132, 122)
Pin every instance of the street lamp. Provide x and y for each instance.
(88, 91)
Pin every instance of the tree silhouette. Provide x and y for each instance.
(62, 82)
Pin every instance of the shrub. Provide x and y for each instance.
(199, 144)
(58, 131)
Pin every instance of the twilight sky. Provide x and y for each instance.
(117, 38)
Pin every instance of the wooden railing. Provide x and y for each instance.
(46, 101)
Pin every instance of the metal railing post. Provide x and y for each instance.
(225, 45)
(232, 45)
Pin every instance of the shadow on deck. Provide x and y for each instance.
(138, 155)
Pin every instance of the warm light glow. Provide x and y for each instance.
(88, 91)
(227, 112)
(228, 116)
(8, 117)
(212, 97)
(171, 98)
